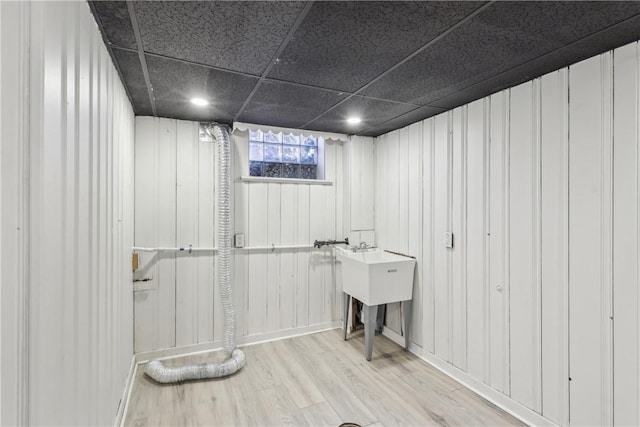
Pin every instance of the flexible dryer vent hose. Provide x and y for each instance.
(235, 358)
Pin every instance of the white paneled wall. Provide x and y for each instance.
(398, 219)
(626, 258)
(359, 170)
(538, 299)
(67, 218)
(274, 290)
(14, 149)
(590, 237)
(168, 186)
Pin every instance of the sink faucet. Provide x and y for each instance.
(361, 247)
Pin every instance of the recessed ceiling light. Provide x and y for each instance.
(199, 102)
(354, 120)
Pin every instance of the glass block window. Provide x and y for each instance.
(278, 155)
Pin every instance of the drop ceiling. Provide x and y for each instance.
(311, 65)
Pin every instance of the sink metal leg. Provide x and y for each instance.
(347, 301)
(380, 318)
(406, 322)
(370, 314)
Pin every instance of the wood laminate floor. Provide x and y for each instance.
(315, 380)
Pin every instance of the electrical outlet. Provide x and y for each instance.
(239, 241)
(448, 239)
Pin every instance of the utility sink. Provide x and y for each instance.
(376, 277)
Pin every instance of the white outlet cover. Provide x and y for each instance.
(448, 239)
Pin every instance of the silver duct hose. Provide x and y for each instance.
(235, 358)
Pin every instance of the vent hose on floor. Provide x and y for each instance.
(235, 358)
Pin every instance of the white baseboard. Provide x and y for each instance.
(169, 353)
(393, 336)
(502, 401)
(124, 400)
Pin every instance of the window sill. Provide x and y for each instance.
(285, 180)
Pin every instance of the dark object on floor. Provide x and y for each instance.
(349, 425)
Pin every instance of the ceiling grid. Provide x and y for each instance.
(312, 65)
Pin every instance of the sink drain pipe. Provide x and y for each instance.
(235, 358)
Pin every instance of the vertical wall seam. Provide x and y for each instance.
(63, 183)
(420, 255)
(606, 63)
(90, 204)
(408, 159)
(295, 269)
(309, 264)
(3, 343)
(450, 160)
(564, 271)
(110, 233)
(603, 236)
(487, 242)
(25, 212)
(432, 225)
(25, 63)
(174, 125)
(246, 187)
(610, 117)
(156, 226)
(266, 256)
(405, 244)
(537, 238)
(506, 249)
(568, 250)
(375, 188)
(612, 246)
(102, 235)
(196, 264)
(637, 166)
(278, 263)
(504, 255)
(464, 229)
(98, 266)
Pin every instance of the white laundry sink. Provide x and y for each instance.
(376, 277)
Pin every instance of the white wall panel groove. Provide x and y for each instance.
(606, 66)
(458, 311)
(14, 203)
(13, 382)
(541, 191)
(429, 239)
(414, 222)
(487, 247)
(476, 241)
(499, 242)
(554, 249)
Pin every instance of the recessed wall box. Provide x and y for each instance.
(239, 241)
